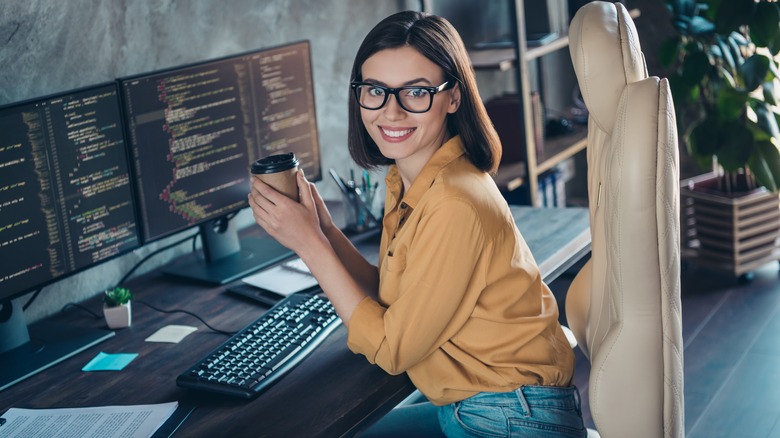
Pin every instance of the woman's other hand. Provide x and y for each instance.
(326, 220)
(291, 223)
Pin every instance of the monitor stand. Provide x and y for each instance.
(225, 257)
(24, 352)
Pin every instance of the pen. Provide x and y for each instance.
(366, 181)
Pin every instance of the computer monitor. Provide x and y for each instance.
(66, 204)
(194, 132)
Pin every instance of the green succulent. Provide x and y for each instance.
(724, 84)
(117, 296)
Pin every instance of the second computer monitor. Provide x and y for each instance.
(195, 130)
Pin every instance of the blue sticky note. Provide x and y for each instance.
(109, 362)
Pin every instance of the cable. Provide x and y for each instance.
(155, 252)
(32, 298)
(95, 315)
(188, 313)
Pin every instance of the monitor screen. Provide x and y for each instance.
(66, 203)
(195, 130)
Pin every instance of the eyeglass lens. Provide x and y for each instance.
(412, 99)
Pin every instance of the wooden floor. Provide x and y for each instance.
(731, 334)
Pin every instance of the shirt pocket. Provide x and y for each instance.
(395, 262)
(390, 277)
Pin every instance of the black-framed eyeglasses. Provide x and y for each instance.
(414, 99)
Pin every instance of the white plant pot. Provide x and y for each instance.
(119, 316)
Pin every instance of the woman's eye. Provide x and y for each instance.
(374, 91)
(417, 92)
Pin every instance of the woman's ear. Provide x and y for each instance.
(454, 99)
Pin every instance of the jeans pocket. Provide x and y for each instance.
(554, 412)
(540, 429)
(468, 419)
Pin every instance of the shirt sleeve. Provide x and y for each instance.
(436, 290)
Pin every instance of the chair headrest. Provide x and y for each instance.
(606, 54)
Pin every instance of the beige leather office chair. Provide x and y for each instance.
(624, 305)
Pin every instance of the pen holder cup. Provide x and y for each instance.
(360, 213)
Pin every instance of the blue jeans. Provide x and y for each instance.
(531, 411)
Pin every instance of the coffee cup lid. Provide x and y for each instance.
(274, 163)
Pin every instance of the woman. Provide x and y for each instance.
(457, 301)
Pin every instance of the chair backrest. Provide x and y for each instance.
(624, 305)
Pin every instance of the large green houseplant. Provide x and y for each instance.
(725, 89)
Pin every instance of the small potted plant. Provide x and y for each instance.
(116, 307)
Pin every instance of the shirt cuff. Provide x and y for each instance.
(366, 330)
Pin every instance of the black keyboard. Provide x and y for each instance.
(260, 354)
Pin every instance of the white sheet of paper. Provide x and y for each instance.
(171, 333)
(104, 421)
(285, 279)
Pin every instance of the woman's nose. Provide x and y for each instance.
(393, 110)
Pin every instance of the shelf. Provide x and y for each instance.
(501, 59)
(511, 176)
(537, 52)
(516, 56)
(504, 58)
(560, 148)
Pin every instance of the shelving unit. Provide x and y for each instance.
(554, 150)
(519, 180)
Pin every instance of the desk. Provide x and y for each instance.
(332, 393)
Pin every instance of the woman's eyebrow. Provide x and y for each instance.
(405, 84)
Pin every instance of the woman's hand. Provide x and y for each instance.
(326, 220)
(293, 224)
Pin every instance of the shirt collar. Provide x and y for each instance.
(446, 154)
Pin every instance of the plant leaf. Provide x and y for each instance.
(754, 71)
(731, 103)
(710, 8)
(703, 141)
(698, 26)
(734, 45)
(738, 38)
(766, 121)
(726, 75)
(765, 164)
(736, 145)
(726, 55)
(733, 13)
(695, 67)
(668, 51)
(765, 24)
(774, 45)
(769, 92)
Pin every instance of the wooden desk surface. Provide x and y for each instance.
(332, 393)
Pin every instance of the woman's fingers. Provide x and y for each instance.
(305, 192)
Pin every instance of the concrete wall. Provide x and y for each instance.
(48, 46)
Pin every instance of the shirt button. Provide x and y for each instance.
(403, 206)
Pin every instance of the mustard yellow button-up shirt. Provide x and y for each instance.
(462, 308)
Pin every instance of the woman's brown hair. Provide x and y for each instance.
(436, 39)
